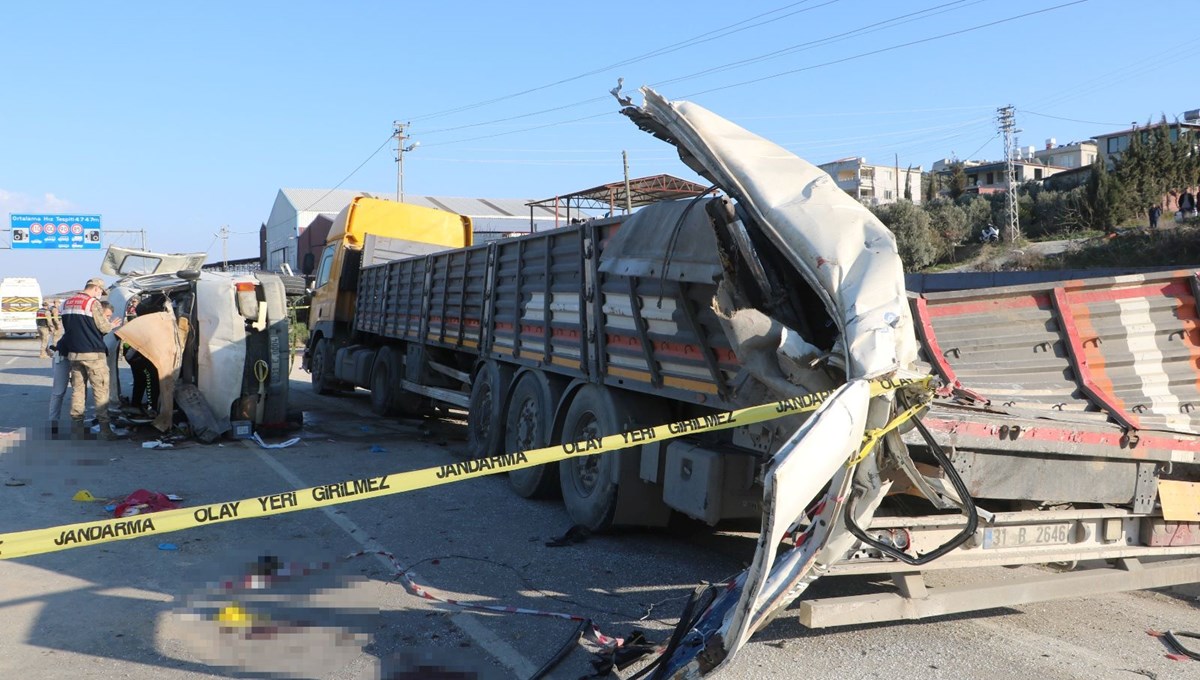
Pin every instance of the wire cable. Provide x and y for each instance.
(860, 55)
(675, 47)
(720, 67)
(1070, 120)
(883, 50)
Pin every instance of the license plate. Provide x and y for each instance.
(1020, 537)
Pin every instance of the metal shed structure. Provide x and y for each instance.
(625, 195)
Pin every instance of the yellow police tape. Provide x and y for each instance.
(53, 539)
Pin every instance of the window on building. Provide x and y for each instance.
(1018, 173)
(1114, 144)
(845, 175)
(867, 173)
(887, 195)
(1037, 173)
(991, 178)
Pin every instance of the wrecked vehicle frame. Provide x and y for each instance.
(220, 344)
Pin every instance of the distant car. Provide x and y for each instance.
(237, 351)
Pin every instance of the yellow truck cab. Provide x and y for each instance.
(369, 231)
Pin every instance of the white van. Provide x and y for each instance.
(237, 353)
(20, 298)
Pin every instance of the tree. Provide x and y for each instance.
(908, 184)
(949, 222)
(957, 185)
(930, 185)
(916, 241)
(1154, 165)
(1104, 202)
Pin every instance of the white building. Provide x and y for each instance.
(1073, 155)
(874, 184)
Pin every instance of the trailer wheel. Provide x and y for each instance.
(321, 366)
(383, 384)
(589, 492)
(485, 419)
(529, 425)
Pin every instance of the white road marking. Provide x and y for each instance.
(468, 624)
(10, 361)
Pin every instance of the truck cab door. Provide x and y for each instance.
(324, 298)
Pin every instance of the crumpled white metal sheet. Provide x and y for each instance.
(847, 255)
(850, 260)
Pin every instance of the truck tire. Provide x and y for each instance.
(485, 419)
(321, 367)
(588, 490)
(529, 425)
(384, 383)
(293, 286)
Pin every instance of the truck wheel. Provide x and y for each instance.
(588, 490)
(485, 419)
(383, 383)
(321, 366)
(529, 424)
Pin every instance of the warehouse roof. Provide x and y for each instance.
(320, 200)
(332, 202)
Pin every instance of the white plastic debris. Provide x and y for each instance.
(280, 445)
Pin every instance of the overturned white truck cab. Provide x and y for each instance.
(1059, 427)
(218, 340)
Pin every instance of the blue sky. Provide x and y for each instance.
(180, 118)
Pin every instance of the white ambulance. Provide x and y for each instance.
(20, 298)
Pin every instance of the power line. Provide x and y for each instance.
(755, 80)
(339, 184)
(885, 49)
(720, 67)
(1071, 120)
(675, 47)
(989, 141)
(828, 40)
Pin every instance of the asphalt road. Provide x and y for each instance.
(130, 609)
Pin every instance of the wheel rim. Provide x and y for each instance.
(318, 363)
(586, 469)
(527, 426)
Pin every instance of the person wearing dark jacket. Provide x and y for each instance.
(84, 326)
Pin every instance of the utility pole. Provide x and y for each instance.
(399, 131)
(628, 197)
(224, 234)
(896, 175)
(1006, 117)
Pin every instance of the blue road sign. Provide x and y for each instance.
(56, 232)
